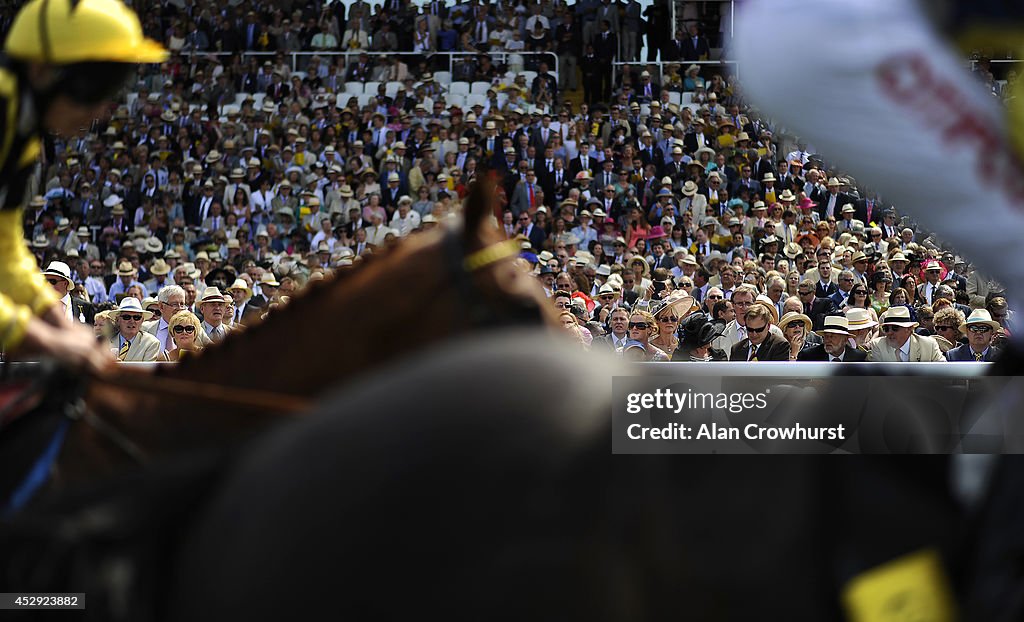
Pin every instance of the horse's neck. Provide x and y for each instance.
(341, 327)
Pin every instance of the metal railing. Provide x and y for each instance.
(300, 60)
(660, 65)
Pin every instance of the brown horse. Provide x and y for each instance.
(431, 287)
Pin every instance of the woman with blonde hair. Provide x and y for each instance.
(185, 330)
(642, 328)
(569, 322)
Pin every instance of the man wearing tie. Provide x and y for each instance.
(760, 343)
(524, 198)
(131, 344)
(212, 306)
(980, 330)
(932, 273)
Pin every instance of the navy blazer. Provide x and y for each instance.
(817, 353)
(962, 353)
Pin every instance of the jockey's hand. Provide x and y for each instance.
(71, 343)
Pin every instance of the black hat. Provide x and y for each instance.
(546, 269)
(698, 330)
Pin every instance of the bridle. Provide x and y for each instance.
(462, 267)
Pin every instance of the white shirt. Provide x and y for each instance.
(162, 331)
(904, 352)
(66, 301)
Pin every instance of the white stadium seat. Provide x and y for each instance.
(365, 98)
(675, 97)
(479, 88)
(472, 100)
(443, 77)
(393, 88)
(371, 88)
(460, 88)
(688, 97)
(355, 88)
(456, 99)
(530, 75)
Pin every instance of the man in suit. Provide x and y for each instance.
(213, 307)
(525, 197)
(695, 47)
(760, 344)
(899, 342)
(618, 322)
(58, 275)
(736, 330)
(131, 344)
(245, 312)
(583, 161)
(835, 346)
(815, 307)
(825, 288)
(980, 330)
(832, 201)
(928, 290)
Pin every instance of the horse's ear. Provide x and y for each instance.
(479, 206)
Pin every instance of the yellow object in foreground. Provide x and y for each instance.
(24, 290)
(912, 587)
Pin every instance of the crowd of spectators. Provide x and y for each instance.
(189, 204)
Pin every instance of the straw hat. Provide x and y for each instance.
(159, 267)
(837, 325)
(132, 305)
(211, 294)
(240, 285)
(125, 268)
(678, 302)
(60, 269)
(898, 316)
(268, 278)
(978, 317)
(796, 317)
(858, 318)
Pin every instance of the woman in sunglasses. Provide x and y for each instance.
(860, 298)
(641, 329)
(185, 329)
(675, 307)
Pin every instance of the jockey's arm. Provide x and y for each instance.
(23, 291)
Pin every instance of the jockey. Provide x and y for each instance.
(64, 60)
(888, 98)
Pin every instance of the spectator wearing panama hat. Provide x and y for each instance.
(980, 330)
(900, 343)
(861, 326)
(835, 346)
(131, 343)
(126, 277)
(58, 275)
(245, 313)
(213, 308)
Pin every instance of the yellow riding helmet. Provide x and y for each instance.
(62, 32)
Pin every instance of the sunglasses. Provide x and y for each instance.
(891, 329)
(53, 281)
(945, 328)
(669, 320)
(131, 318)
(860, 292)
(979, 329)
(184, 329)
(715, 297)
(638, 325)
(757, 331)
(563, 305)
